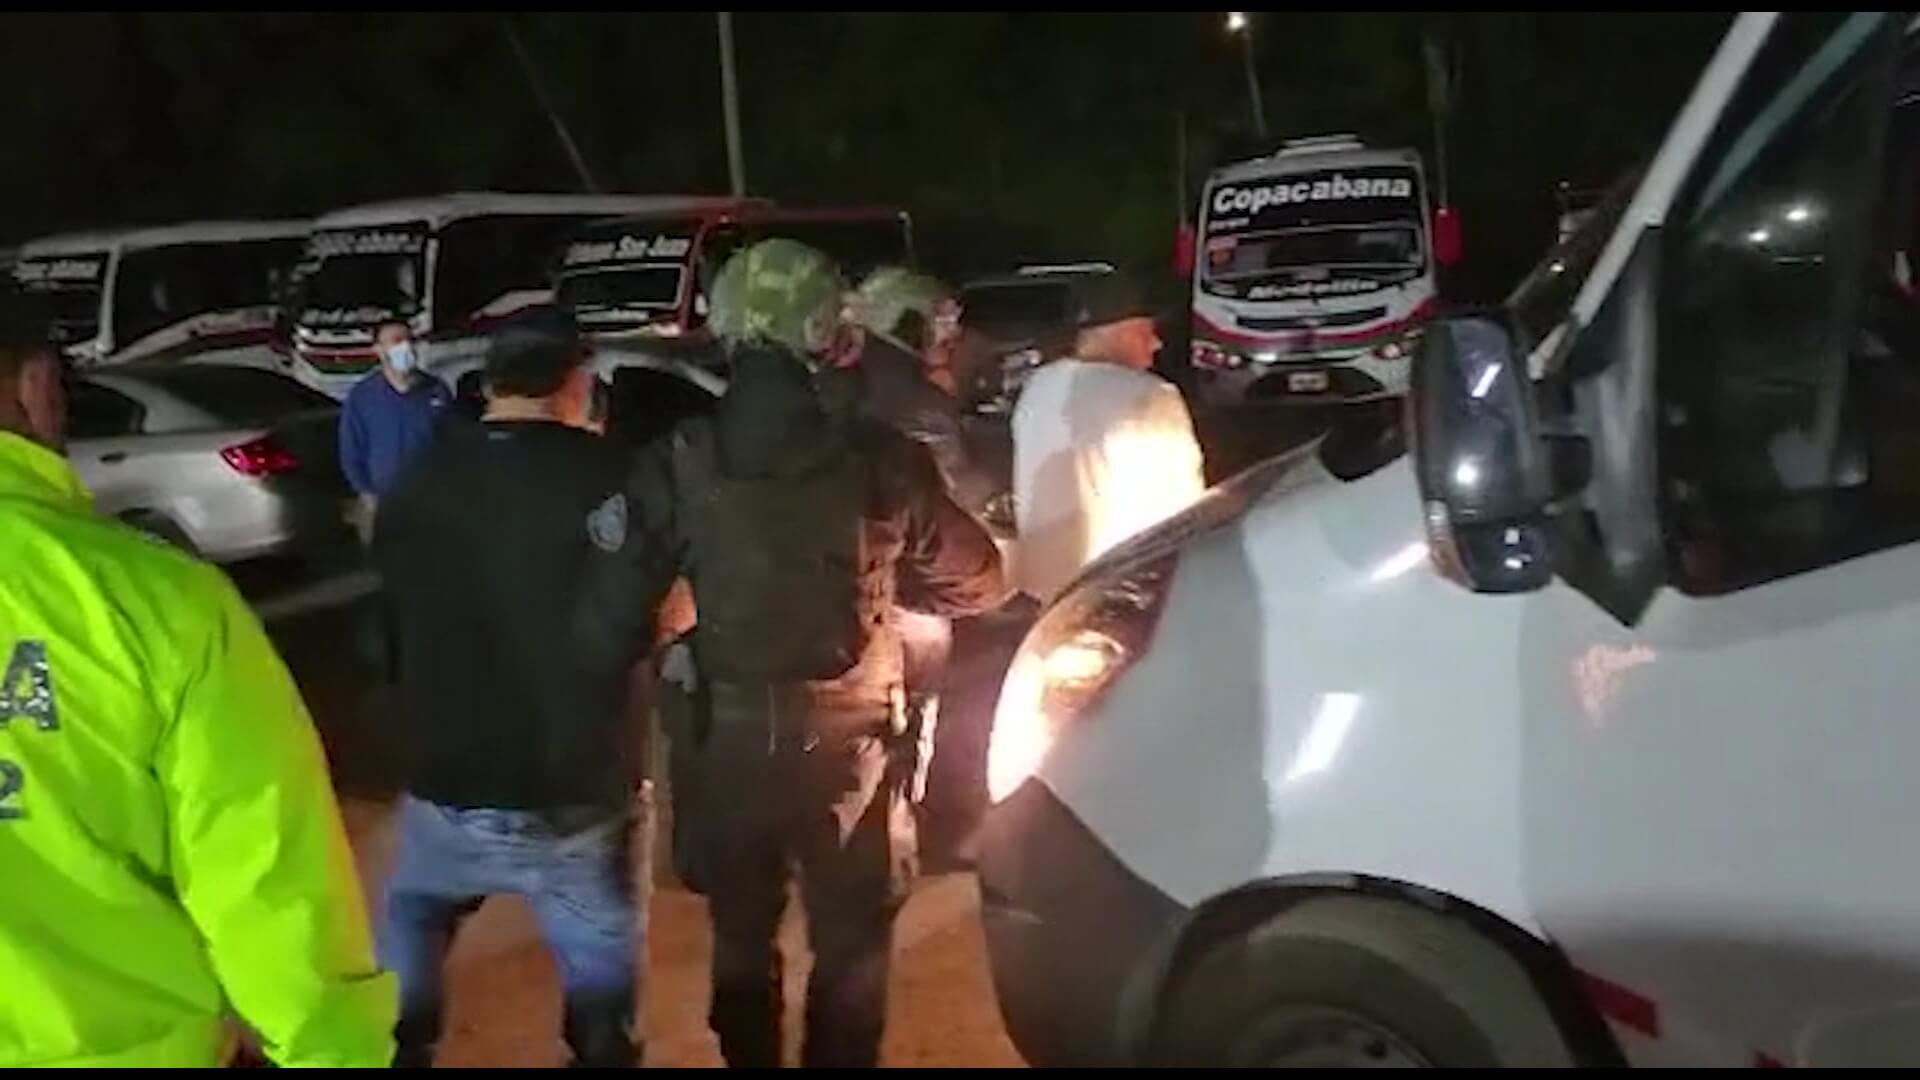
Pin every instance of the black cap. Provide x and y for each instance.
(532, 353)
(1108, 298)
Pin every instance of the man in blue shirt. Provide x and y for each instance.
(389, 416)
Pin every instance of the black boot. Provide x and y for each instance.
(747, 1020)
(414, 1038)
(600, 1033)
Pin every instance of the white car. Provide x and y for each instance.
(229, 462)
(1273, 788)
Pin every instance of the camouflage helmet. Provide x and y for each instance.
(778, 292)
(889, 293)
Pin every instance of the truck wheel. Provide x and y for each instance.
(1355, 982)
(160, 527)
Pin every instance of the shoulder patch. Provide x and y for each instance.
(607, 525)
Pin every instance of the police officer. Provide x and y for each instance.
(170, 847)
(799, 525)
(910, 326)
(904, 379)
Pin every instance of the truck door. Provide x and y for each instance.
(1720, 776)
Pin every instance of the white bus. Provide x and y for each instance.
(451, 266)
(1314, 266)
(204, 291)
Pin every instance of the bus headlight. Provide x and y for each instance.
(1069, 659)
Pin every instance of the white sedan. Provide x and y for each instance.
(231, 463)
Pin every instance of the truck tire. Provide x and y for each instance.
(1355, 982)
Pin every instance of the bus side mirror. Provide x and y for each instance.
(1448, 244)
(1488, 477)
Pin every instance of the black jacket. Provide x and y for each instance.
(483, 550)
(888, 386)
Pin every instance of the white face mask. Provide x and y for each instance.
(400, 357)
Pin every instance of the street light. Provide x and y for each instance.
(1242, 27)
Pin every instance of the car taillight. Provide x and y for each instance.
(1211, 357)
(260, 457)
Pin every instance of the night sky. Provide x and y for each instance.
(1008, 135)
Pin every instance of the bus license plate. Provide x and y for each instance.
(1307, 382)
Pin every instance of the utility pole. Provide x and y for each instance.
(546, 105)
(1180, 168)
(1440, 80)
(730, 104)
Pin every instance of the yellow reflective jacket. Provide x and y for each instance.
(170, 850)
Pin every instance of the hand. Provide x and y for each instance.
(365, 507)
(676, 667)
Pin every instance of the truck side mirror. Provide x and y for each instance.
(1488, 476)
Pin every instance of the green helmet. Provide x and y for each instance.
(778, 292)
(889, 292)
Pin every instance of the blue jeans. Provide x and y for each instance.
(572, 867)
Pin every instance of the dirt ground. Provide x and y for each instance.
(504, 1007)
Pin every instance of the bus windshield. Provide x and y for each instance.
(360, 276)
(1309, 232)
(68, 287)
